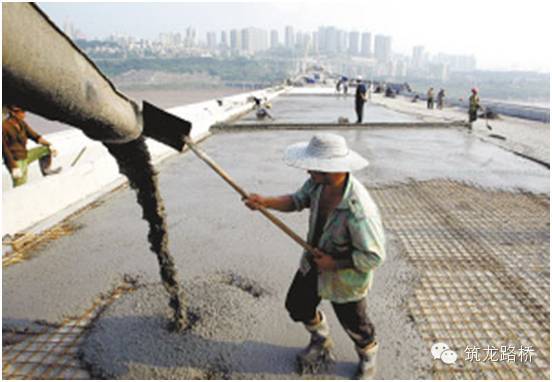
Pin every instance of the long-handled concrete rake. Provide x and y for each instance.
(160, 119)
(487, 119)
(487, 122)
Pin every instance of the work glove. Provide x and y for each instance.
(53, 151)
(17, 173)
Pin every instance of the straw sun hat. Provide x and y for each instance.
(326, 153)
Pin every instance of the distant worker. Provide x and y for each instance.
(430, 98)
(346, 232)
(261, 109)
(262, 113)
(360, 99)
(345, 85)
(441, 99)
(15, 133)
(474, 106)
(257, 101)
(338, 85)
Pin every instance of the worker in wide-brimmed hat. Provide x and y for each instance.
(346, 229)
(15, 133)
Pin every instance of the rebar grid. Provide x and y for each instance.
(24, 245)
(483, 257)
(52, 352)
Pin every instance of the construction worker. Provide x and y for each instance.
(430, 98)
(15, 133)
(262, 109)
(360, 99)
(474, 106)
(441, 99)
(338, 85)
(345, 85)
(346, 231)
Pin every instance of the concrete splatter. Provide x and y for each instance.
(134, 161)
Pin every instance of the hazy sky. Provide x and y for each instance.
(501, 34)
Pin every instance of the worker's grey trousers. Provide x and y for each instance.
(303, 299)
(359, 109)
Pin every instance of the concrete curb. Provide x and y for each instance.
(333, 126)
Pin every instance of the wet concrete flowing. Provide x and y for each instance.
(134, 161)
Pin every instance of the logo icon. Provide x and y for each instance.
(441, 351)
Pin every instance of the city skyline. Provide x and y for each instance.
(492, 44)
(349, 53)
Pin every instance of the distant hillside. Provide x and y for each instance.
(227, 70)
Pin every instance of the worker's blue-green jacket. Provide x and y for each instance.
(353, 235)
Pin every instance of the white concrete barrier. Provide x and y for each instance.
(44, 201)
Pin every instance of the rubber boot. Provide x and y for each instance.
(45, 164)
(317, 356)
(367, 364)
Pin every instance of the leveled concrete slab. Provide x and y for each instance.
(212, 232)
(312, 109)
(206, 217)
(530, 138)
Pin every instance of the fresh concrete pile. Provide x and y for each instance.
(234, 321)
(132, 341)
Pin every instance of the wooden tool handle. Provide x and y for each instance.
(241, 191)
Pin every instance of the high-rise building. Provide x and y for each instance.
(259, 40)
(170, 39)
(304, 42)
(178, 39)
(328, 39)
(211, 40)
(274, 40)
(322, 39)
(235, 40)
(223, 39)
(189, 40)
(299, 40)
(245, 39)
(366, 50)
(418, 56)
(290, 37)
(354, 40)
(315, 42)
(382, 48)
(307, 41)
(401, 68)
(254, 40)
(341, 41)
